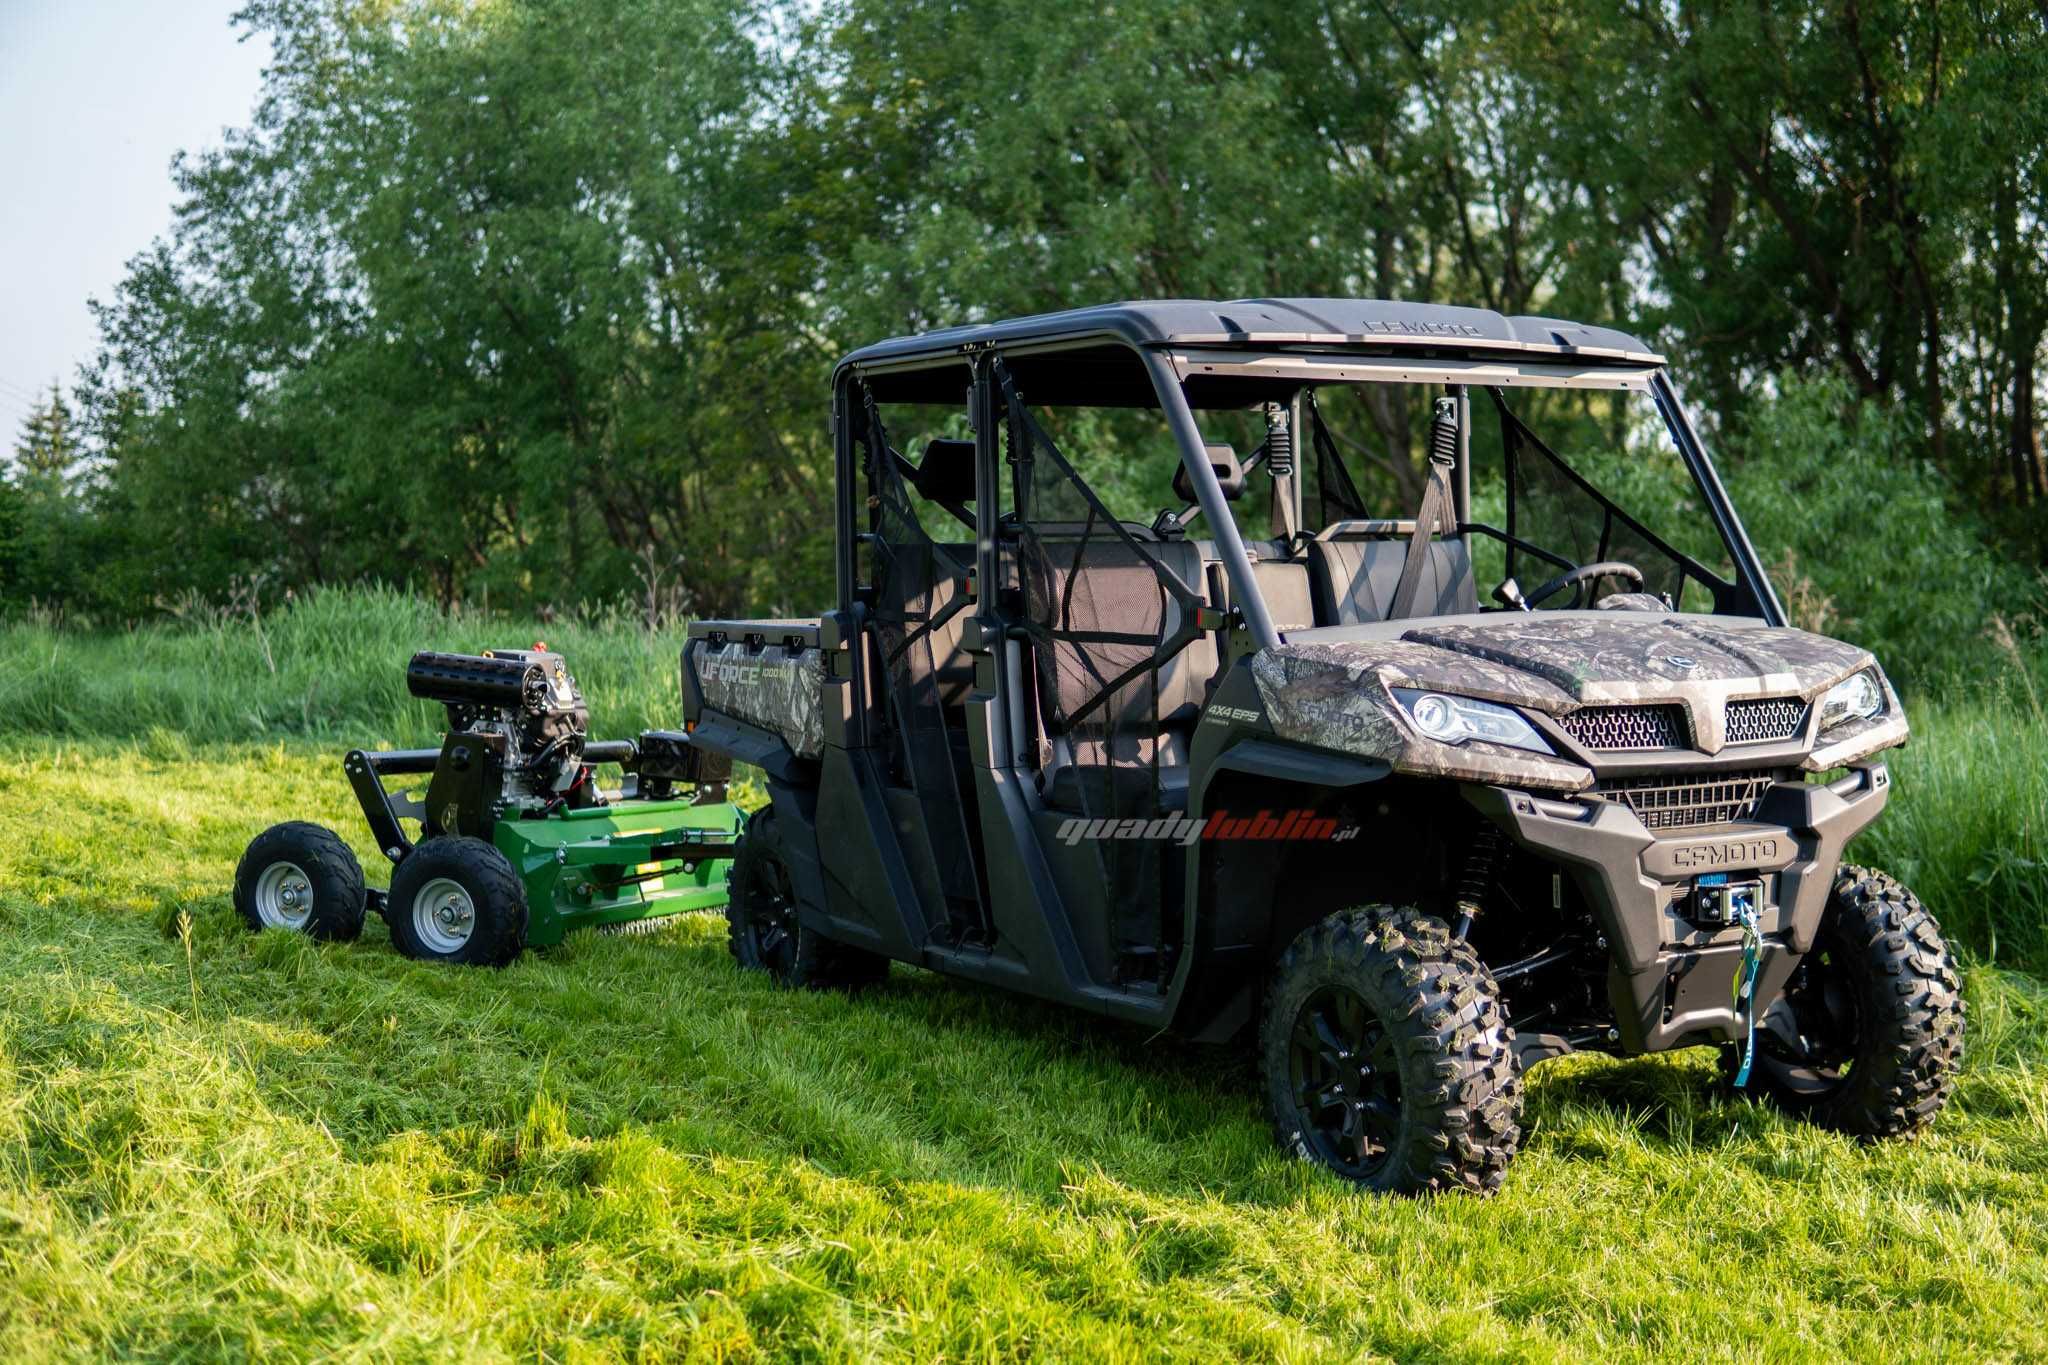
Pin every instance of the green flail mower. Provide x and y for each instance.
(518, 846)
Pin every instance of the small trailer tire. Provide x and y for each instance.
(301, 877)
(457, 900)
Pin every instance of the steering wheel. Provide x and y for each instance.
(1576, 579)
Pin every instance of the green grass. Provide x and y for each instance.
(221, 1143)
(218, 1144)
(1967, 825)
(331, 666)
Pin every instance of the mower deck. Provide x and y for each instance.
(517, 845)
(631, 860)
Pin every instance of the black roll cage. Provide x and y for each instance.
(1169, 367)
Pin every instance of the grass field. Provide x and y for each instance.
(219, 1144)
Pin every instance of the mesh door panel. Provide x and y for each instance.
(919, 589)
(1104, 615)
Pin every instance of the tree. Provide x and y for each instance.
(42, 514)
(488, 299)
(47, 452)
(516, 297)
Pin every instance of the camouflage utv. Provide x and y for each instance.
(1160, 683)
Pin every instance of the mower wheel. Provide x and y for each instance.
(302, 877)
(763, 931)
(457, 900)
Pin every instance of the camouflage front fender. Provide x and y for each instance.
(1335, 698)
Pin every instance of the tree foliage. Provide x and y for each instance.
(539, 298)
(46, 539)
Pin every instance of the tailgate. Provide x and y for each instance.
(770, 674)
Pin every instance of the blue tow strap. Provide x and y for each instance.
(1745, 987)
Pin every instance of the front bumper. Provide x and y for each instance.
(1671, 980)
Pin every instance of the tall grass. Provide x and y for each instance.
(1967, 827)
(1968, 824)
(328, 666)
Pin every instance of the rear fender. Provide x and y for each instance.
(747, 743)
(796, 813)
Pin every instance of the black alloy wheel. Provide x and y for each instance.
(1346, 1081)
(765, 931)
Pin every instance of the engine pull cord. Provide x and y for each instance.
(1745, 985)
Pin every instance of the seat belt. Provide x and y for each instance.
(1436, 510)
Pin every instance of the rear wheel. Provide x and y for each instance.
(1868, 1033)
(1387, 1058)
(301, 877)
(764, 932)
(457, 900)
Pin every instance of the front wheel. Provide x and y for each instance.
(457, 900)
(301, 877)
(1868, 1034)
(1387, 1058)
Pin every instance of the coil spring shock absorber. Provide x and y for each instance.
(1477, 878)
(1279, 441)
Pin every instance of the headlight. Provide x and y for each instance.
(1857, 697)
(1453, 720)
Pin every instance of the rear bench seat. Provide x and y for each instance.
(953, 666)
(1115, 774)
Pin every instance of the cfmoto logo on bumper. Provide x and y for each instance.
(1731, 853)
(1683, 859)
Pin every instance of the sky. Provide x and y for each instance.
(96, 96)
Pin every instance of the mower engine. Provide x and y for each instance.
(524, 707)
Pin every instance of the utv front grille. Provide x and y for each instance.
(1661, 803)
(1614, 728)
(1759, 722)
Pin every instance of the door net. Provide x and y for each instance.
(1106, 621)
(921, 587)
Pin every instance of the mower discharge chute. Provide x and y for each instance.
(517, 843)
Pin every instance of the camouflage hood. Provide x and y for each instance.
(1331, 692)
(1614, 657)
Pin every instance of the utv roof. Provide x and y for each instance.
(1369, 324)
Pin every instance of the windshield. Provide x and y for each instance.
(1547, 481)
(1541, 484)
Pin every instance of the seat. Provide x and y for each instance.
(1229, 475)
(1284, 581)
(945, 473)
(1354, 578)
(1126, 789)
(952, 665)
(924, 583)
(1101, 767)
